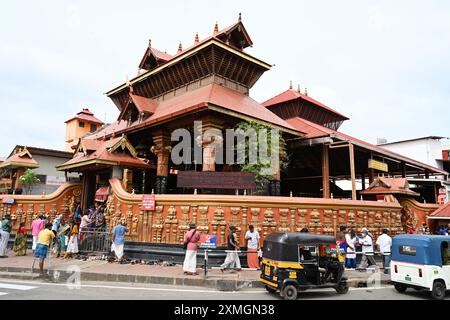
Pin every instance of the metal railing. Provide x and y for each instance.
(94, 241)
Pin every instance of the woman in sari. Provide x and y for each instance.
(72, 246)
(63, 232)
(20, 243)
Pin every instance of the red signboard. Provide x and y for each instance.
(148, 202)
(215, 180)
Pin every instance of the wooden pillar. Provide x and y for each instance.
(427, 174)
(325, 172)
(403, 170)
(352, 169)
(211, 140)
(363, 181)
(162, 150)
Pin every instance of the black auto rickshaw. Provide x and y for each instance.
(295, 262)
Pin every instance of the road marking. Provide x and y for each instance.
(15, 286)
(193, 290)
(3, 293)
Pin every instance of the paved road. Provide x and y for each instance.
(31, 290)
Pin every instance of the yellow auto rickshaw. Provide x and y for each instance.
(294, 262)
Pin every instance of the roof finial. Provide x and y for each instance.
(180, 47)
(298, 88)
(240, 17)
(290, 84)
(196, 40)
(216, 28)
(306, 91)
(149, 43)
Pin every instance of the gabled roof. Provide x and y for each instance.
(219, 98)
(86, 115)
(107, 130)
(142, 105)
(442, 213)
(383, 185)
(291, 94)
(105, 153)
(158, 56)
(311, 129)
(22, 158)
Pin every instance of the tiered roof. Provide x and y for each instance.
(383, 185)
(86, 115)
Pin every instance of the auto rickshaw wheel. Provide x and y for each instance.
(289, 292)
(270, 289)
(400, 287)
(342, 288)
(438, 291)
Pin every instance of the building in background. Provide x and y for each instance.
(83, 123)
(42, 162)
(428, 150)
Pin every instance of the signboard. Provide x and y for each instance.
(9, 201)
(55, 181)
(208, 241)
(442, 197)
(215, 180)
(148, 202)
(377, 165)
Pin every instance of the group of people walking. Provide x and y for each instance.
(365, 242)
(232, 261)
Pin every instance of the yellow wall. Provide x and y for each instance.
(75, 132)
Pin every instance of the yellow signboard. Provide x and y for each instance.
(374, 164)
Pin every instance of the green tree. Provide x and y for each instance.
(28, 180)
(258, 167)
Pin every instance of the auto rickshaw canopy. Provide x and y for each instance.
(418, 249)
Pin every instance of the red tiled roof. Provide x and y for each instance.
(20, 159)
(214, 94)
(102, 153)
(314, 130)
(86, 115)
(107, 130)
(383, 185)
(291, 94)
(311, 129)
(442, 212)
(144, 104)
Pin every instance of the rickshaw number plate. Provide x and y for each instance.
(267, 271)
(408, 278)
(292, 274)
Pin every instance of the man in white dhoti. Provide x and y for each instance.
(191, 239)
(118, 239)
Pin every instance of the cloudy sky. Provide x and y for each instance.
(384, 64)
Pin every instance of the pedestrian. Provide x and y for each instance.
(384, 244)
(232, 259)
(340, 240)
(85, 221)
(350, 257)
(252, 237)
(45, 237)
(191, 239)
(63, 236)
(367, 249)
(36, 226)
(56, 223)
(76, 217)
(118, 239)
(20, 242)
(5, 230)
(72, 245)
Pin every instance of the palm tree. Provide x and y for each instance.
(28, 180)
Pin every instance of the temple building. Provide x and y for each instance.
(76, 127)
(206, 88)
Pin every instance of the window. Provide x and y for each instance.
(81, 124)
(407, 250)
(93, 127)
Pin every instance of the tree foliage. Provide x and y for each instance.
(28, 180)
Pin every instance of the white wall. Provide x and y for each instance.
(423, 150)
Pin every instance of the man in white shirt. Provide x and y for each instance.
(384, 244)
(252, 237)
(367, 249)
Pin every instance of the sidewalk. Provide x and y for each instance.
(99, 270)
